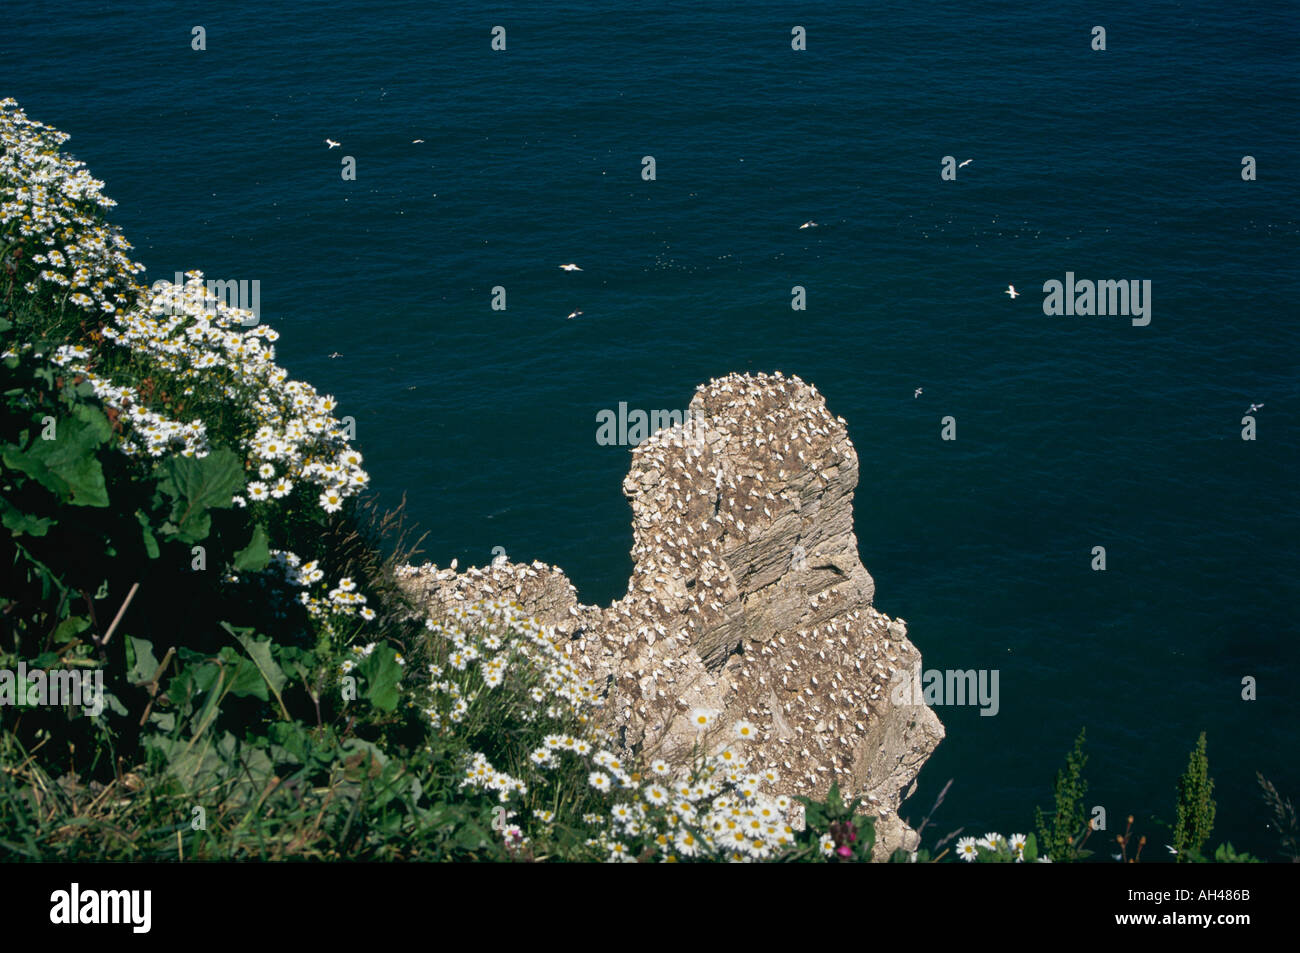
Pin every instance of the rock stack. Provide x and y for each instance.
(747, 599)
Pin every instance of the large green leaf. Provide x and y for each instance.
(242, 676)
(203, 677)
(833, 800)
(297, 663)
(381, 673)
(70, 628)
(18, 522)
(150, 541)
(143, 663)
(260, 653)
(197, 485)
(255, 555)
(866, 825)
(216, 767)
(67, 465)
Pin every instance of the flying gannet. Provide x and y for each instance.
(1011, 290)
(571, 267)
(331, 143)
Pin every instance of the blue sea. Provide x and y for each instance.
(1071, 431)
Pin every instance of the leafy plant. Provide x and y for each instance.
(1194, 818)
(834, 831)
(1284, 821)
(1062, 833)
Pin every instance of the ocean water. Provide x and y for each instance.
(1072, 432)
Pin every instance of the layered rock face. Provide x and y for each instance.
(747, 599)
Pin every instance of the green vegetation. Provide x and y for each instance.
(183, 529)
(1194, 819)
(1285, 821)
(1063, 833)
(1062, 839)
(182, 525)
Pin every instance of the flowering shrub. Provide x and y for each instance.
(176, 373)
(994, 848)
(154, 461)
(47, 205)
(333, 607)
(182, 352)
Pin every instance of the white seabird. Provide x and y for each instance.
(571, 267)
(1254, 407)
(416, 142)
(917, 394)
(1011, 290)
(962, 165)
(332, 144)
(575, 314)
(809, 224)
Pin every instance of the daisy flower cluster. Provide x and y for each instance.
(493, 647)
(359, 652)
(990, 845)
(289, 434)
(481, 774)
(50, 200)
(146, 433)
(342, 600)
(198, 351)
(713, 809)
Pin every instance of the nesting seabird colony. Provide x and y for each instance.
(747, 598)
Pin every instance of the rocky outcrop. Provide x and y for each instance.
(747, 599)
